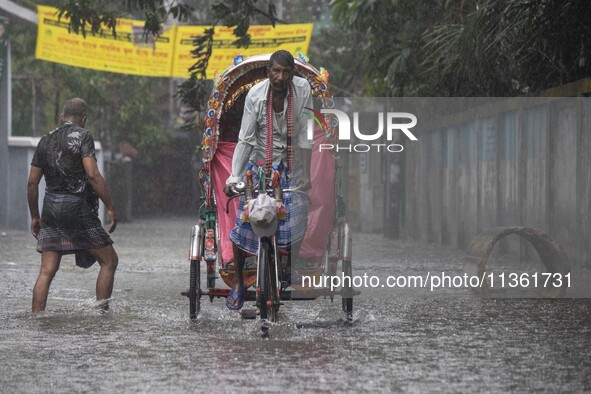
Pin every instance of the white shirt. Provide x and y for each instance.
(253, 130)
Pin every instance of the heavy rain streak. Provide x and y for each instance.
(431, 157)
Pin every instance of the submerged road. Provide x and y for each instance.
(403, 339)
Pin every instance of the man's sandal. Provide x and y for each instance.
(235, 299)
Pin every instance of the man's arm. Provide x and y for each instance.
(97, 182)
(33, 197)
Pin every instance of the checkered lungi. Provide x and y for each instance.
(289, 231)
(70, 224)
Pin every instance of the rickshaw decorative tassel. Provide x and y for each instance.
(246, 214)
(269, 131)
(281, 211)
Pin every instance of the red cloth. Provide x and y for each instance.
(322, 208)
(221, 167)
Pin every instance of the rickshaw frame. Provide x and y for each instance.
(229, 86)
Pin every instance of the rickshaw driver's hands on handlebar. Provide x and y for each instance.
(302, 184)
(229, 189)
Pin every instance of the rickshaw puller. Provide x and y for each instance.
(266, 134)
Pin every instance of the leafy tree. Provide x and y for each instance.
(92, 16)
(431, 47)
(341, 51)
(393, 31)
(507, 47)
(471, 47)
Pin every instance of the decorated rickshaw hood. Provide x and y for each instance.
(240, 77)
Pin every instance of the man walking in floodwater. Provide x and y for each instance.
(69, 222)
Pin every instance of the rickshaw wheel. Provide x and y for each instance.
(268, 302)
(194, 289)
(347, 293)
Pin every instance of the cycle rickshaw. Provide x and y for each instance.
(328, 239)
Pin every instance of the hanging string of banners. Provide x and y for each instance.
(168, 55)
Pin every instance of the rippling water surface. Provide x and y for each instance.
(447, 341)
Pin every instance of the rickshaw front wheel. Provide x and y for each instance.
(267, 301)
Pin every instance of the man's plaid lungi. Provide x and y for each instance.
(290, 230)
(70, 224)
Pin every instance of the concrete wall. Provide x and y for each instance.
(518, 163)
(20, 156)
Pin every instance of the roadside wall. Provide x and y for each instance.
(509, 164)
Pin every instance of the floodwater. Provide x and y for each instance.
(401, 340)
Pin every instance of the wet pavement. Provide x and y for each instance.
(401, 340)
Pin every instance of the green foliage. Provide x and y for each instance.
(237, 13)
(470, 47)
(341, 51)
(85, 15)
(94, 16)
(393, 30)
(408, 47)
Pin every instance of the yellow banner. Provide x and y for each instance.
(264, 39)
(127, 53)
(169, 55)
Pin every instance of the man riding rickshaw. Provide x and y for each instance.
(258, 143)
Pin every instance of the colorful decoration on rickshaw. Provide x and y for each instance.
(214, 104)
(303, 58)
(238, 59)
(334, 121)
(209, 253)
(324, 75)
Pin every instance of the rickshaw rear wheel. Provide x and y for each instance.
(347, 292)
(194, 289)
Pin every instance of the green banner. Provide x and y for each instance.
(3, 43)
